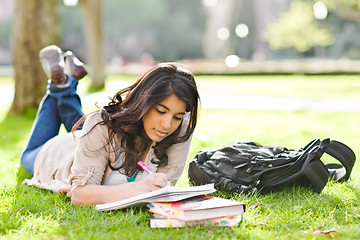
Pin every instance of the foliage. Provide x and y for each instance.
(297, 28)
(295, 213)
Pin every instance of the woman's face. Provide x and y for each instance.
(164, 118)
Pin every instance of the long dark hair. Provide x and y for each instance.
(124, 114)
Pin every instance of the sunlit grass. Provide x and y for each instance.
(337, 86)
(295, 213)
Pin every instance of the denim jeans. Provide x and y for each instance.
(60, 105)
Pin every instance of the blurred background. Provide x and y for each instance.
(170, 30)
(210, 36)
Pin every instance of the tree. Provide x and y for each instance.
(218, 16)
(297, 28)
(263, 12)
(35, 26)
(93, 31)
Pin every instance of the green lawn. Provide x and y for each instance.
(31, 213)
(318, 86)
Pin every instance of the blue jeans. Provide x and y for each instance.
(60, 105)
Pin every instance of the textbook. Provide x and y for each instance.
(165, 194)
(197, 208)
(163, 222)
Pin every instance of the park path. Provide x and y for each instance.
(217, 101)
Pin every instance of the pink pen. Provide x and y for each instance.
(144, 167)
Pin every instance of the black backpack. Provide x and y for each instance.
(247, 166)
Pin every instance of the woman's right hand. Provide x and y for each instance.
(152, 182)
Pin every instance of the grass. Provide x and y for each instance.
(318, 86)
(294, 213)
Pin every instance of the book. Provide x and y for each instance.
(197, 208)
(165, 194)
(158, 221)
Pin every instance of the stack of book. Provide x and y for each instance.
(183, 206)
(200, 210)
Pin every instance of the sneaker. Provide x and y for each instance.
(73, 66)
(52, 62)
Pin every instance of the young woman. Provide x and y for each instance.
(150, 121)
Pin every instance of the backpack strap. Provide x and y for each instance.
(306, 170)
(343, 154)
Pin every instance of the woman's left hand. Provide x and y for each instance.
(66, 190)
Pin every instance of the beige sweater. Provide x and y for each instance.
(72, 160)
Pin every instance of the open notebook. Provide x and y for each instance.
(166, 194)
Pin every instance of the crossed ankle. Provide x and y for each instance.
(73, 66)
(57, 76)
(57, 64)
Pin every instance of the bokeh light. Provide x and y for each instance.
(210, 3)
(242, 30)
(320, 10)
(223, 33)
(70, 3)
(232, 61)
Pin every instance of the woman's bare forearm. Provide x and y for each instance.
(96, 194)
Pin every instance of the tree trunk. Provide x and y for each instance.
(93, 33)
(35, 26)
(264, 13)
(218, 16)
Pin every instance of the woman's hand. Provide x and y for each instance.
(66, 190)
(152, 182)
